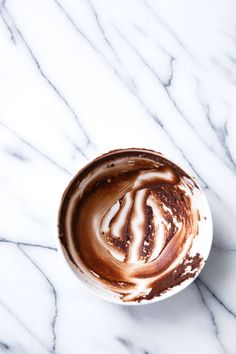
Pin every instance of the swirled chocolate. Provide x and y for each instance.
(129, 220)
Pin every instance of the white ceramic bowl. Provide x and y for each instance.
(202, 245)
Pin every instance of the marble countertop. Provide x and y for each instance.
(81, 77)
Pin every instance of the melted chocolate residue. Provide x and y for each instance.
(128, 218)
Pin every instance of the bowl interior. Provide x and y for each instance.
(84, 177)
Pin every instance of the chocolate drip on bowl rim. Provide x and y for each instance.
(134, 225)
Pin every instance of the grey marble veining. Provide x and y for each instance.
(78, 78)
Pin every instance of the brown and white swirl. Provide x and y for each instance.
(131, 221)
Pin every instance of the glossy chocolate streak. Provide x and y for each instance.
(129, 219)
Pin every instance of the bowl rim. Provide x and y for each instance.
(170, 292)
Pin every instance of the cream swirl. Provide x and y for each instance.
(130, 219)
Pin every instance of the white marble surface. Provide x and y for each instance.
(79, 77)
